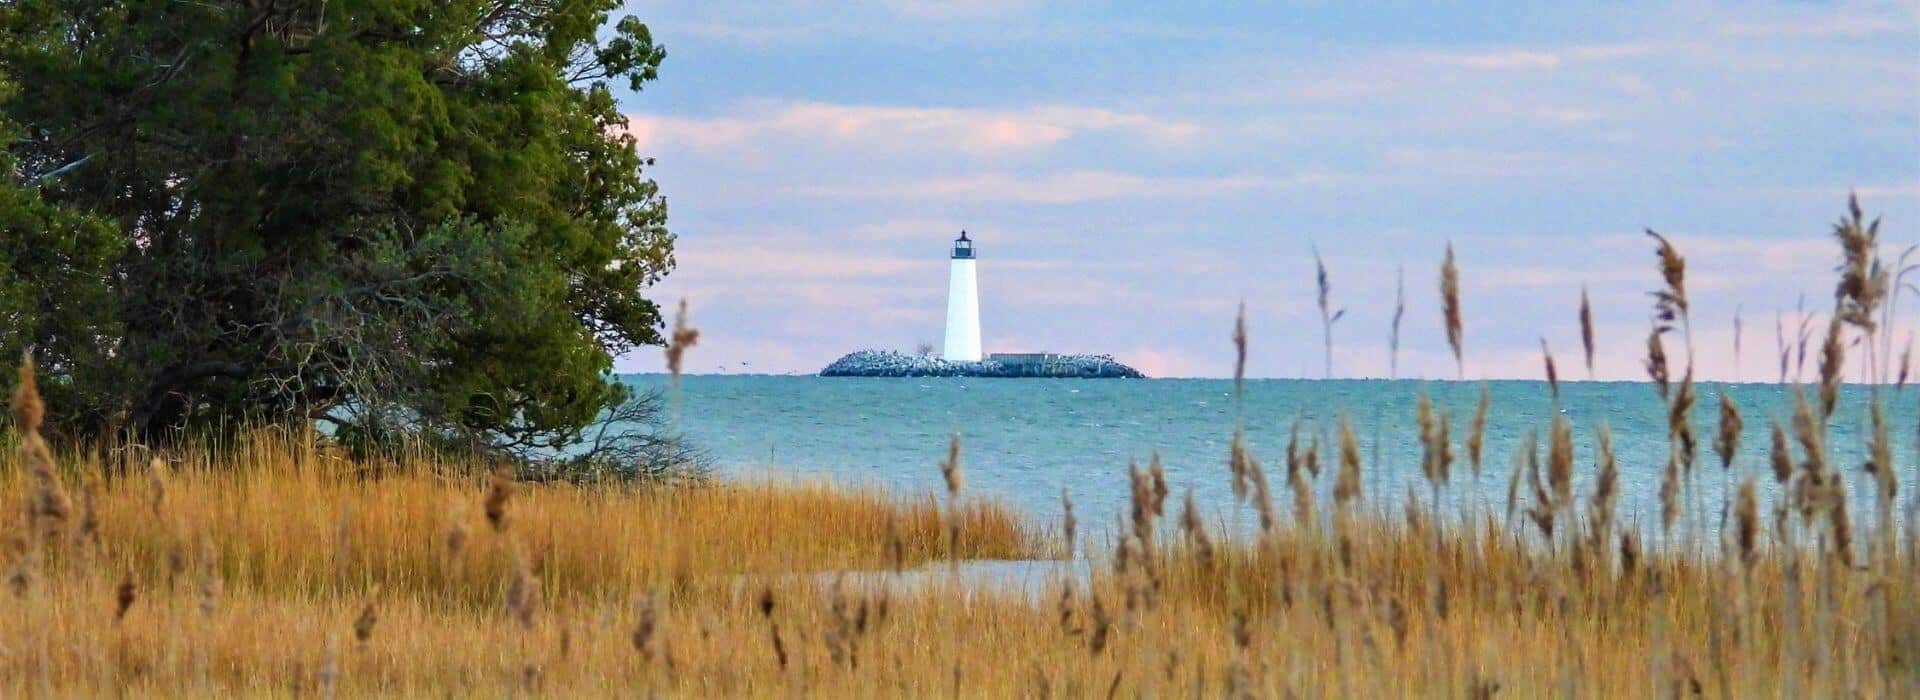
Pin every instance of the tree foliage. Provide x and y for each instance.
(389, 215)
(54, 293)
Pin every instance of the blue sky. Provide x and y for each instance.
(1132, 171)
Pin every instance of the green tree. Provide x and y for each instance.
(418, 215)
(54, 293)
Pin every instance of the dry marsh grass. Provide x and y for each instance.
(273, 568)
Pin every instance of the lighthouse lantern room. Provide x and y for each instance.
(963, 304)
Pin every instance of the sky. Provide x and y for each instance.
(1132, 172)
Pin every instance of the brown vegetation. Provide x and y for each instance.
(242, 571)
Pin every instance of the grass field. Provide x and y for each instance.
(278, 570)
(275, 567)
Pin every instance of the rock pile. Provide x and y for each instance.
(892, 363)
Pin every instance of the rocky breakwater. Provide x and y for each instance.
(892, 363)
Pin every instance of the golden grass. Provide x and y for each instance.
(247, 570)
(278, 572)
(273, 568)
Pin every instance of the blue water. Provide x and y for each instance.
(1026, 439)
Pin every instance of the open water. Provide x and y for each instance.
(1025, 440)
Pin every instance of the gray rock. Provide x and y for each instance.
(893, 363)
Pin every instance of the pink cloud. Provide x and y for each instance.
(896, 129)
(1062, 188)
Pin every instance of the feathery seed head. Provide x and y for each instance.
(1477, 434)
(684, 336)
(499, 493)
(1450, 305)
(1346, 485)
(1586, 328)
(28, 410)
(1727, 442)
(1779, 456)
(952, 468)
(1746, 521)
(1832, 358)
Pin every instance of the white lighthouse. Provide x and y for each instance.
(963, 305)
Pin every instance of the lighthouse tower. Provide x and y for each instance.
(963, 305)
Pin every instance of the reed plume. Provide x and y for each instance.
(28, 410)
(523, 591)
(1311, 457)
(1560, 462)
(499, 494)
(1237, 464)
(1328, 315)
(1863, 279)
(363, 625)
(1657, 361)
(1670, 303)
(1436, 451)
(1346, 485)
(1553, 375)
(1524, 455)
(1143, 504)
(766, 606)
(1606, 492)
(1736, 342)
(211, 585)
(157, 489)
(1802, 335)
(684, 336)
(1727, 442)
(1240, 352)
(1832, 358)
(1841, 522)
(646, 627)
(1542, 510)
(1477, 434)
(1780, 343)
(1880, 465)
(1196, 531)
(952, 470)
(1586, 329)
(49, 507)
(1068, 524)
(1680, 423)
(1399, 310)
(1779, 456)
(1299, 481)
(1423, 419)
(454, 537)
(123, 596)
(1817, 489)
(87, 535)
(1262, 496)
(1450, 308)
(1670, 494)
(1746, 512)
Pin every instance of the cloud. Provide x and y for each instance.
(1175, 187)
(1851, 24)
(954, 9)
(1062, 188)
(1534, 59)
(1479, 162)
(900, 130)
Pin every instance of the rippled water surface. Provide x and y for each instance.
(1026, 439)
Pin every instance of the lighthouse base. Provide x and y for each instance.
(890, 363)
